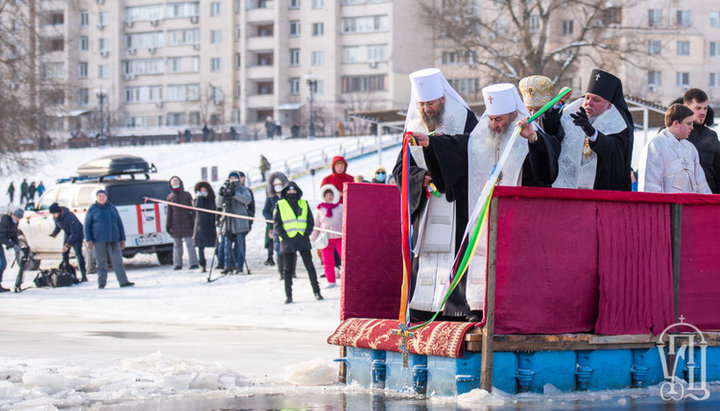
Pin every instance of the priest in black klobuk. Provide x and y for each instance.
(597, 146)
(461, 164)
(434, 107)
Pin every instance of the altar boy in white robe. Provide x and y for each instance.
(670, 163)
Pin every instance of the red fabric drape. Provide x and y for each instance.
(634, 268)
(700, 266)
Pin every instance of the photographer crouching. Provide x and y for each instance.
(234, 198)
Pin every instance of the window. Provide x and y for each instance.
(194, 117)
(144, 40)
(655, 47)
(132, 122)
(294, 28)
(714, 80)
(534, 24)
(318, 58)
(188, 9)
(318, 4)
(83, 70)
(216, 94)
(294, 4)
(353, 84)
(265, 59)
(654, 79)
(375, 53)
(84, 43)
(238, 89)
(351, 54)
(366, 24)
(294, 57)
(103, 71)
(683, 48)
(682, 79)
(174, 65)
(238, 64)
(183, 92)
(103, 44)
(183, 37)
(449, 57)
(144, 94)
(195, 64)
(215, 36)
(51, 71)
(317, 29)
(567, 27)
(215, 8)
(144, 13)
(714, 49)
(265, 30)
(655, 17)
(176, 119)
(294, 86)
(238, 33)
(265, 87)
(683, 18)
(465, 85)
(215, 64)
(715, 19)
(83, 18)
(84, 97)
(103, 18)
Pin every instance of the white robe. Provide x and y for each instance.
(436, 225)
(483, 153)
(671, 165)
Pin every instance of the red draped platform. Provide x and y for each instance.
(566, 260)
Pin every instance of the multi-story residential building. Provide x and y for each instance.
(177, 64)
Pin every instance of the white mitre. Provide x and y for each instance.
(427, 85)
(503, 98)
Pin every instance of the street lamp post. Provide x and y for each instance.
(312, 85)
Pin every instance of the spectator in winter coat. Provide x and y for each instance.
(9, 238)
(66, 221)
(105, 234)
(276, 182)
(23, 191)
(204, 234)
(329, 216)
(293, 223)
(338, 177)
(379, 176)
(180, 223)
(11, 192)
(264, 167)
(235, 198)
(40, 189)
(31, 192)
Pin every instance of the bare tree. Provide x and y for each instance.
(507, 40)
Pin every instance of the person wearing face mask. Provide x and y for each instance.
(329, 215)
(379, 176)
(294, 223)
(204, 234)
(180, 223)
(235, 198)
(276, 182)
(9, 238)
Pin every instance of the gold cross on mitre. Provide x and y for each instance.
(490, 99)
(404, 334)
(597, 77)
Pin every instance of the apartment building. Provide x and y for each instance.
(171, 65)
(677, 43)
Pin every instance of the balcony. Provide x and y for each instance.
(260, 10)
(260, 101)
(260, 43)
(260, 72)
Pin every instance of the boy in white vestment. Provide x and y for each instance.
(670, 163)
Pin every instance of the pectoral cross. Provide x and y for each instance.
(404, 334)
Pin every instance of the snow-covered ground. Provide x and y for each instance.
(175, 341)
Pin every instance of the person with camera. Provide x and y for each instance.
(9, 238)
(293, 222)
(235, 198)
(67, 222)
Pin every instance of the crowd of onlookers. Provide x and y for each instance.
(27, 191)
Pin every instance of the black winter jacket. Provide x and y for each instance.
(72, 227)
(8, 232)
(299, 242)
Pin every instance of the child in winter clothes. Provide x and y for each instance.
(329, 216)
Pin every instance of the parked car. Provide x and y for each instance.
(144, 222)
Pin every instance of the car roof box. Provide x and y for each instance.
(114, 165)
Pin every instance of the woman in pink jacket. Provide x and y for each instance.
(329, 216)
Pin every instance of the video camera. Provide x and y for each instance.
(228, 188)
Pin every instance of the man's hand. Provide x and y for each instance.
(527, 130)
(427, 180)
(65, 249)
(422, 139)
(122, 245)
(581, 120)
(90, 245)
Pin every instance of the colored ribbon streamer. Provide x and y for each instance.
(405, 211)
(480, 213)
